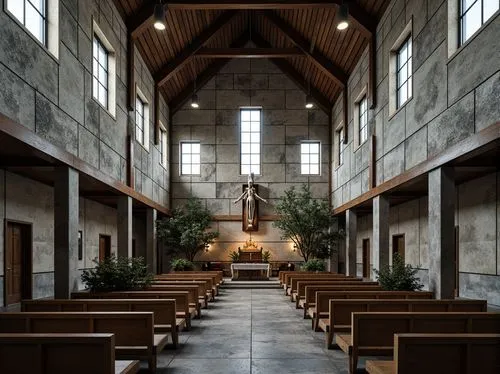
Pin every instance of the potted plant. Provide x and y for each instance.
(398, 277)
(181, 264)
(266, 256)
(308, 223)
(117, 274)
(234, 255)
(314, 264)
(187, 232)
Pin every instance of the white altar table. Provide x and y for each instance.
(236, 267)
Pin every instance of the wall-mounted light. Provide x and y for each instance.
(207, 247)
(159, 16)
(342, 16)
(295, 247)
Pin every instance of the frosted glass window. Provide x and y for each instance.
(190, 158)
(404, 73)
(33, 15)
(310, 158)
(473, 14)
(250, 138)
(100, 70)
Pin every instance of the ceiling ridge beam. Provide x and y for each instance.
(324, 64)
(322, 102)
(249, 52)
(177, 102)
(185, 55)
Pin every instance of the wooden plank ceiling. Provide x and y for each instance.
(327, 56)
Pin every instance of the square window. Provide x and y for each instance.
(309, 158)
(190, 158)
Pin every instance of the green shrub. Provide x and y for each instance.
(398, 277)
(314, 265)
(117, 274)
(266, 256)
(235, 256)
(181, 264)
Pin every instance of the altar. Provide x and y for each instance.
(250, 271)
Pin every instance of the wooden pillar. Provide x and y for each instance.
(380, 232)
(124, 241)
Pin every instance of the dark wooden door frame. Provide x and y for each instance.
(366, 257)
(27, 260)
(108, 238)
(394, 238)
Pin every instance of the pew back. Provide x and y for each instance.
(59, 353)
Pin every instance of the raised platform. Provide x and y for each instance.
(273, 283)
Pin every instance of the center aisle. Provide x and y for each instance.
(255, 331)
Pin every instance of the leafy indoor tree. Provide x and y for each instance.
(186, 231)
(308, 223)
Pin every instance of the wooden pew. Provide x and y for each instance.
(339, 317)
(283, 273)
(181, 299)
(219, 274)
(322, 300)
(289, 279)
(202, 288)
(192, 276)
(372, 333)
(212, 289)
(164, 310)
(61, 354)
(441, 353)
(193, 299)
(134, 334)
(300, 293)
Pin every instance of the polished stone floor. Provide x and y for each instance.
(255, 331)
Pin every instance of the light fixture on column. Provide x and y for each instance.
(159, 16)
(342, 16)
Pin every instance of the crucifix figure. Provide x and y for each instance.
(250, 195)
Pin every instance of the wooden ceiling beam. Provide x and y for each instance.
(177, 102)
(141, 19)
(182, 58)
(249, 52)
(322, 102)
(324, 64)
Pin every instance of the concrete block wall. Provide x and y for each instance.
(53, 96)
(477, 217)
(216, 125)
(453, 98)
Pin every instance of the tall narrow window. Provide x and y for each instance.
(190, 158)
(33, 15)
(139, 120)
(341, 146)
(363, 120)
(163, 146)
(250, 141)
(100, 72)
(473, 14)
(309, 158)
(404, 73)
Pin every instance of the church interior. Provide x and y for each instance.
(159, 159)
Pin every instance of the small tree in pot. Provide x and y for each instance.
(308, 223)
(186, 231)
(398, 277)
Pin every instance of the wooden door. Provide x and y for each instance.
(104, 247)
(398, 245)
(366, 258)
(18, 262)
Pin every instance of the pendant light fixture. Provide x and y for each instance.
(342, 16)
(309, 101)
(195, 103)
(159, 16)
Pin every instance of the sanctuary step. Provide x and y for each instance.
(273, 283)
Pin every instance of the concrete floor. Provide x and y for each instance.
(256, 331)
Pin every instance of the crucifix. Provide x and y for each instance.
(250, 209)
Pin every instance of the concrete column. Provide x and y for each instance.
(351, 231)
(151, 239)
(124, 240)
(66, 216)
(380, 232)
(442, 232)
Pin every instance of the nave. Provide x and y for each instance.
(255, 331)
